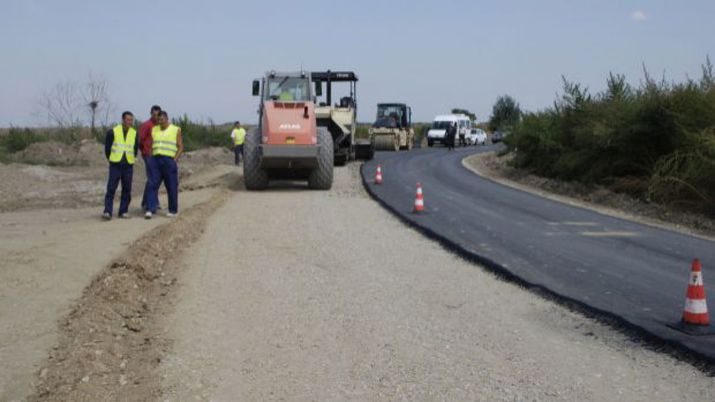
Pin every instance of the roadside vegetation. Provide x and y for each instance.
(655, 141)
(506, 114)
(16, 139)
(198, 135)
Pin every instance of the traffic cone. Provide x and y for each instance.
(696, 307)
(378, 175)
(696, 318)
(419, 200)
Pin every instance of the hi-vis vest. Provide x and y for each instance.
(123, 146)
(239, 135)
(164, 141)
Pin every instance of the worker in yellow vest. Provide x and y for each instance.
(120, 147)
(167, 147)
(238, 135)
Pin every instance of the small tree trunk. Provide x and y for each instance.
(93, 105)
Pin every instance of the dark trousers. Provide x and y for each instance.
(164, 170)
(119, 172)
(238, 151)
(462, 140)
(147, 187)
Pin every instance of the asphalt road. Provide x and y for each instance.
(625, 270)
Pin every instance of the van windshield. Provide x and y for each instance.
(441, 125)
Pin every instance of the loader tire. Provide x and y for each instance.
(321, 177)
(255, 177)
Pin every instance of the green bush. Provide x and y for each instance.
(17, 139)
(362, 131)
(196, 135)
(656, 141)
(506, 113)
(70, 135)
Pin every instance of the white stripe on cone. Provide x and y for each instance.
(696, 306)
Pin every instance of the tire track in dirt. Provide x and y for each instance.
(112, 341)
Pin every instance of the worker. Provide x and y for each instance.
(120, 148)
(463, 137)
(145, 146)
(238, 135)
(167, 147)
(450, 135)
(286, 95)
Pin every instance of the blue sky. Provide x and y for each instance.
(200, 57)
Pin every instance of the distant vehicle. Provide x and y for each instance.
(392, 129)
(477, 137)
(440, 124)
(497, 136)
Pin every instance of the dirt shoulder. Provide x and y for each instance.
(49, 257)
(596, 198)
(111, 343)
(53, 242)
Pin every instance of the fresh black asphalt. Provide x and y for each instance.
(630, 272)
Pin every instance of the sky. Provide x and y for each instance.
(199, 58)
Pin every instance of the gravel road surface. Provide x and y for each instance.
(304, 295)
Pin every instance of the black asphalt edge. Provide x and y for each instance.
(637, 333)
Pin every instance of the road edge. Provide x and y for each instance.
(573, 202)
(657, 343)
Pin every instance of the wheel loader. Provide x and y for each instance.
(340, 118)
(392, 129)
(288, 143)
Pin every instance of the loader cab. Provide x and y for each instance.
(336, 110)
(285, 87)
(393, 115)
(346, 98)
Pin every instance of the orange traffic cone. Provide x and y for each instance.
(696, 307)
(419, 200)
(696, 318)
(378, 175)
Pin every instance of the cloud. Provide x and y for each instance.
(639, 15)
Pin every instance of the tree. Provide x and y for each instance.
(505, 113)
(60, 104)
(471, 115)
(64, 103)
(96, 99)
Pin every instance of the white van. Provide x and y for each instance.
(440, 124)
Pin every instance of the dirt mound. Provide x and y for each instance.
(210, 156)
(46, 153)
(55, 153)
(90, 153)
(111, 343)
